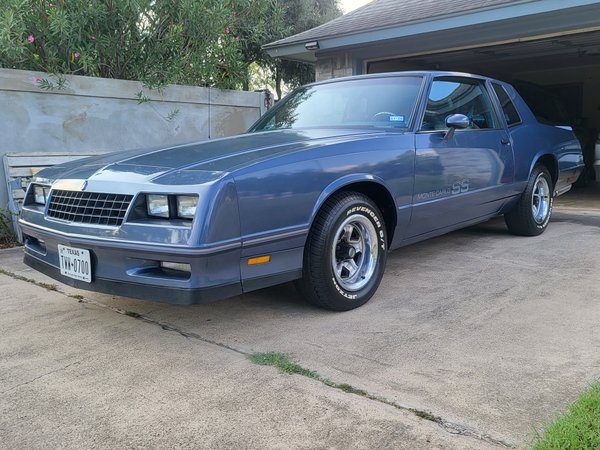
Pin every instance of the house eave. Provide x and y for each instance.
(521, 19)
(296, 52)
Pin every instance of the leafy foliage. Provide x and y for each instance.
(301, 15)
(157, 41)
(4, 222)
(7, 237)
(195, 42)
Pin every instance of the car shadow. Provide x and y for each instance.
(285, 298)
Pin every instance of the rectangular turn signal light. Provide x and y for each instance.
(259, 260)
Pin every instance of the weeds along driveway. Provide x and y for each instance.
(491, 334)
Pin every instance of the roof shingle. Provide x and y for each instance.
(387, 13)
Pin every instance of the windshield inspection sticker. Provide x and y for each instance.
(396, 118)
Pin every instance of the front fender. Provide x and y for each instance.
(343, 182)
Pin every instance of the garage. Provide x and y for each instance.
(559, 77)
(550, 51)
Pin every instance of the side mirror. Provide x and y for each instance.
(456, 122)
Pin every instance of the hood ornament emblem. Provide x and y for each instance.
(84, 185)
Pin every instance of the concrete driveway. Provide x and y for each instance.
(486, 335)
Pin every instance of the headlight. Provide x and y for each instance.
(158, 205)
(40, 194)
(186, 206)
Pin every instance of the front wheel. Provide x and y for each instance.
(531, 214)
(345, 253)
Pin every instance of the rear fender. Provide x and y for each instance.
(544, 155)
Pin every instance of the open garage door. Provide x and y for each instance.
(559, 76)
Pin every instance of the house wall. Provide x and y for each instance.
(97, 114)
(334, 66)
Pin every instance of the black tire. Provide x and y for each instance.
(525, 219)
(344, 221)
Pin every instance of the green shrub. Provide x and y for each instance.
(7, 237)
(195, 42)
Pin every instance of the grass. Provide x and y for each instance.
(579, 428)
(48, 286)
(283, 363)
(286, 365)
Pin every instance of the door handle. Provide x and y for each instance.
(505, 141)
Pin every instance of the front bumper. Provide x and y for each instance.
(133, 270)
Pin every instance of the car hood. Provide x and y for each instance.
(194, 163)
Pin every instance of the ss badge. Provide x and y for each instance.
(460, 186)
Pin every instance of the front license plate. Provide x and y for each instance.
(75, 263)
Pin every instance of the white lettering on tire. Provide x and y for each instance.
(369, 212)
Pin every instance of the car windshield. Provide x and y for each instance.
(388, 102)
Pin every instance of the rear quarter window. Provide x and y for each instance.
(508, 107)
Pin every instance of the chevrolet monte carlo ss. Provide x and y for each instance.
(319, 190)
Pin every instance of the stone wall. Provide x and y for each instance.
(97, 114)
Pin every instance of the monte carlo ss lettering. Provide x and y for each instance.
(318, 191)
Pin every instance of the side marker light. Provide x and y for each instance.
(259, 260)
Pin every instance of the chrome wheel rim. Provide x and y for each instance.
(354, 252)
(540, 199)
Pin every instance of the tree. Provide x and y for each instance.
(301, 15)
(252, 31)
(156, 41)
(287, 17)
(196, 42)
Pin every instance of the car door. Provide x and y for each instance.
(459, 178)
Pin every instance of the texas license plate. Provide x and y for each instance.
(75, 263)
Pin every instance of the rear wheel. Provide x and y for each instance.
(531, 214)
(345, 253)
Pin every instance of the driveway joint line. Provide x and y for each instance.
(287, 366)
(448, 426)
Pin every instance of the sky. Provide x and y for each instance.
(349, 5)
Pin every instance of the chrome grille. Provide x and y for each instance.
(89, 207)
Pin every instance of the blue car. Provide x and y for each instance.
(319, 190)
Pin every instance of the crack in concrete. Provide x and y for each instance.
(448, 426)
(163, 325)
(463, 430)
(60, 369)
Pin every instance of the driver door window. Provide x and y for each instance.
(450, 96)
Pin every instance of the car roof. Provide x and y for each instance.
(420, 73)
